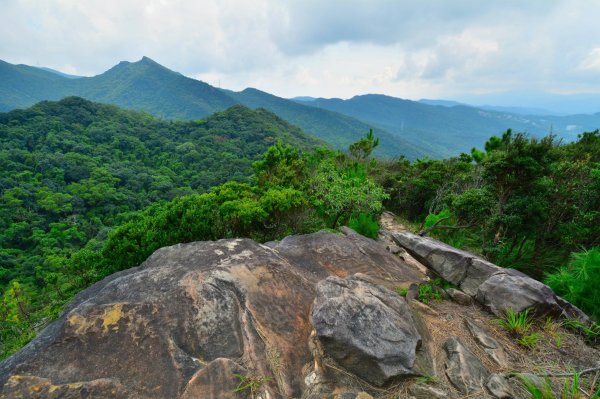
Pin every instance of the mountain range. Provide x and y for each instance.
(428, 128)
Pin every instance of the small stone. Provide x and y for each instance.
(464, 370)
(422, 308)
(413, 292)
(459, 297)
(499, 387)
(421, 391)
(490, 345)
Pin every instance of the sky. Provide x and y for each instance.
(327, 48)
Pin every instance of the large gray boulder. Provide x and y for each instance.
(367, 329)
(448, 262)
(516, 291)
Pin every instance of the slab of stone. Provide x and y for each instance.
(464, 370)
(489, 344)
(499, 387)
(448, 262)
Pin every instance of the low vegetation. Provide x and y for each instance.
(522, 202)
(572, 388)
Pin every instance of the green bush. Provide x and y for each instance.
(365, 224)
(579, 281)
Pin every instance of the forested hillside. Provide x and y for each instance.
(445, 131)
(405, 128)
(75, 173)
(335, 128)
(150, 87)
(73, 168)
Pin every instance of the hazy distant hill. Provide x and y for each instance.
(339, 130)
(447, 130)
(22, 86)
(432, 128)
(148, 86)
(65, 75)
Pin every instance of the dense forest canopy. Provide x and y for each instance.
(73, 168)
(88, 190)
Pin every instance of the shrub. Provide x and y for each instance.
(578, 282)
(365, 224)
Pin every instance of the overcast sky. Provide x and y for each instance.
(328, 48)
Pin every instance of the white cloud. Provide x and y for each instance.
(592, 61)
(435, 48)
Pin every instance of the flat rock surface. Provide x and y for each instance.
(195, 313)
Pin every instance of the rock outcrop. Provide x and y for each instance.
(492, 286)
(195, 315)
(312, 316)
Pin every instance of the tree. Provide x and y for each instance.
(339, 193)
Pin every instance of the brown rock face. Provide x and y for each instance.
(193, 318)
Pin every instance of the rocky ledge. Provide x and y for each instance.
(313, 316)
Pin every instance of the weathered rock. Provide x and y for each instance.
(413, 292)
(459, 297)
(499, 387)
(32, 387)
(494, 287)
(219, 379)
(167, 327)
(514, 290)
(367, 329)
(422, 391)
(489, 344)
(448, 262)
(464, 370)
(478, 271)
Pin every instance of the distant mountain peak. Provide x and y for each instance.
(148, 60)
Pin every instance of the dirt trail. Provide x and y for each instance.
(388, 222)
(389, 225)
